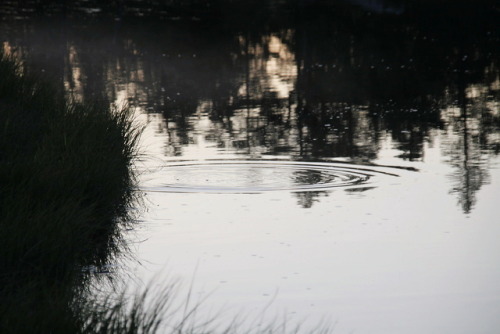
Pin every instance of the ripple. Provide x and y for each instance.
(229, 176)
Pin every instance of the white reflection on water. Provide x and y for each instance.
(397, 258)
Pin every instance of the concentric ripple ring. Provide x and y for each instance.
(256, 176)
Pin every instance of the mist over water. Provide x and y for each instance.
(330, 160)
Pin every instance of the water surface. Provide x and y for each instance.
(340, 164)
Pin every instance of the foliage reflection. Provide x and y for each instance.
(305, 80)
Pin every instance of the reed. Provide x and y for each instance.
(65, 186)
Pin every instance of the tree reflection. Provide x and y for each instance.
(472, 124)
(306, 199)
(298, 79)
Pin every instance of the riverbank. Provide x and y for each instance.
(66, 184)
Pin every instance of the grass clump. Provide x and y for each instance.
(65, 185)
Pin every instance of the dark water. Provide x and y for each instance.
(344, 154)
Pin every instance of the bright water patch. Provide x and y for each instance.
(251, 176)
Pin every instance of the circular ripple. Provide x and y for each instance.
(256, 176)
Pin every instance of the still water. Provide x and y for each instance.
(372, 248)
(339, 166)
